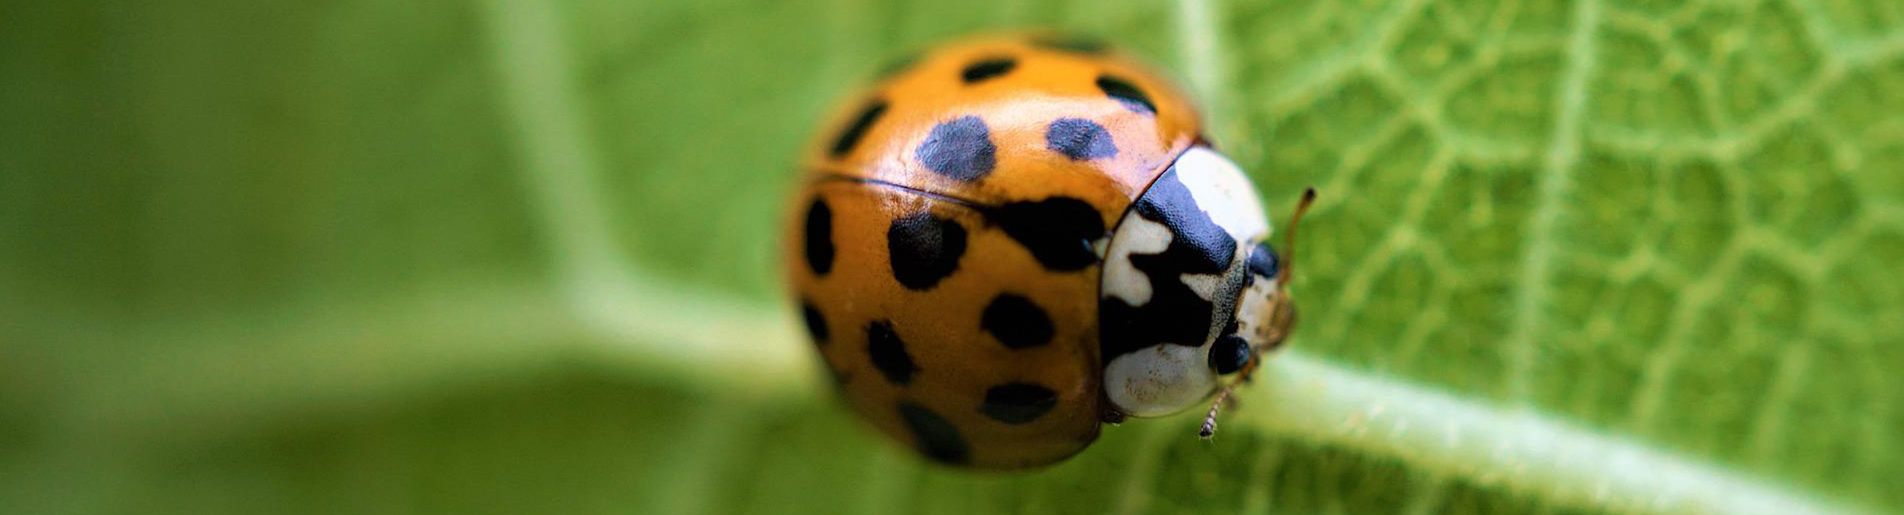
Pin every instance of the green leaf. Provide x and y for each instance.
(1587, 256)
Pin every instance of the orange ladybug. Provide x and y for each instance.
(1016, 239)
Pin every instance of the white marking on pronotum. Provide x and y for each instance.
(1159, 380)
(1222, 191)
(1134, 236)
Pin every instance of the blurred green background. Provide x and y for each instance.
(363, 256)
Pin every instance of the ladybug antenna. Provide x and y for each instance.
(1289, 246)
(1209, 421)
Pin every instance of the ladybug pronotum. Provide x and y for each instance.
(1015, 239)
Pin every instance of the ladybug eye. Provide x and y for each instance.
(1264, 262)
(1229, 354)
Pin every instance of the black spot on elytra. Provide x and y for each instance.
(1229, 354)
(1079, 139)
(987, 69)
(819, 236)
(889, 354)
(1123, 91)
(937, 438)
(1059, 231)
(816, 322)
(1068, 43)
(1018, 403)
(1264, 262)
(960, 149)
(1016, 322)
(1175, 314)
(924, 249)
(851, 136)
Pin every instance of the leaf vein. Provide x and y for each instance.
(1538, 253)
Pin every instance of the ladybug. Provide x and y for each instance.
(1016, 239)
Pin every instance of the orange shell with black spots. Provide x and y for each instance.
(946, 240)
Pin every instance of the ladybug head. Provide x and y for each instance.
(1190, 293)
(1264, 315)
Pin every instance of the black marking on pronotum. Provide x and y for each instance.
(937, 438)
(854, 132)
(888, 353)
(924, 249)
(819, 237)
(1125, 92)
(987, 69)
(960, 149)
(1079, 139)
(1018, 403)
(1016, 322)
(1175, 314)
